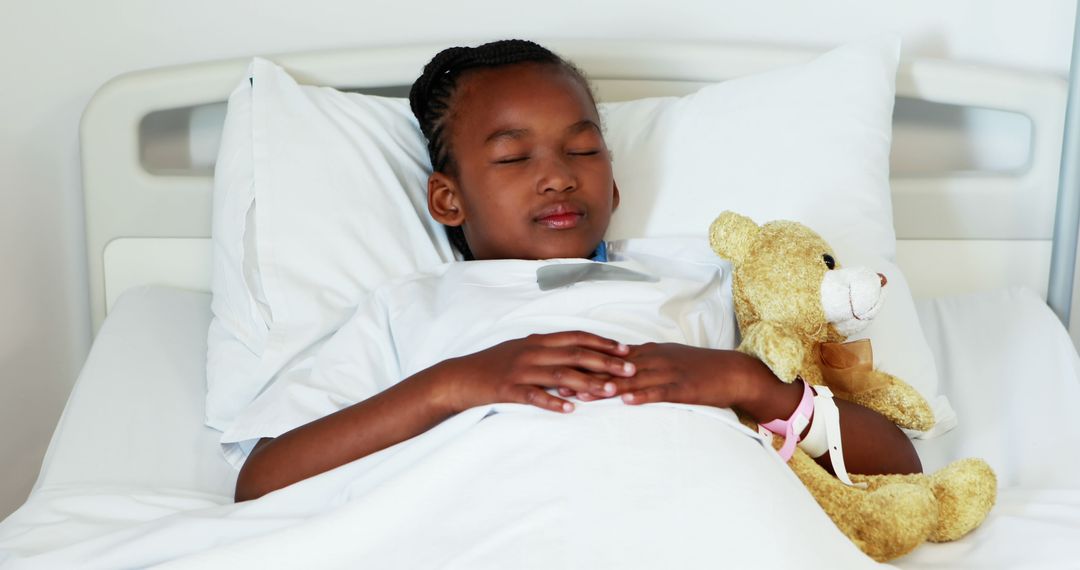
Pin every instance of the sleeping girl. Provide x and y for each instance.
(542, 312)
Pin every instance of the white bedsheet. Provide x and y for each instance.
(97, 481)
(130, 445)
(1013, 376)
(133, 418)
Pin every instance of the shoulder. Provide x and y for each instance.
(403, 285)
(677, 257)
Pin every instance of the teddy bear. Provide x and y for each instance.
(794, 305)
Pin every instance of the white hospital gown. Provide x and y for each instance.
(460, 308)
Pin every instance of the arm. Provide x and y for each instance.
(354, 432)
(514, 371)
(730, 379)
(873, 445)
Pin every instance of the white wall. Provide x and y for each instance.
(54, 54)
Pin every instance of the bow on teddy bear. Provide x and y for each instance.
(794, 304)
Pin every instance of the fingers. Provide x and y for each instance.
(569, 378)
(538, 397)
(662, 392)
(658, 393)
(575, 363)
(636, 351)
(652, 394)
(649, 386)
(644, 378)
(583, 396)
(582, 339)
(584, 358)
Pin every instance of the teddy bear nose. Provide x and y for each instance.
(883, 279)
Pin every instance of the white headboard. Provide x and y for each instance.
(148, 219)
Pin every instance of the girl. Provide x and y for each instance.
(521, 171)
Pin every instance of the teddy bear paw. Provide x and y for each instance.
(898, 402)
(966, 490)
(893, 520)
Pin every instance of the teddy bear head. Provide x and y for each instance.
(787, 274)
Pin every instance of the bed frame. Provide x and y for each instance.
(149, 137)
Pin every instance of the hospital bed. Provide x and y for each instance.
(131, 446)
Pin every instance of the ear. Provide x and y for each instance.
(732, 236)
(444, 200)
(614, 196)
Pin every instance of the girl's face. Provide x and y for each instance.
(533, 176)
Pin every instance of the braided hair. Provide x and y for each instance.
(432, 92)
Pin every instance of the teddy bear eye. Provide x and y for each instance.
(829, 261)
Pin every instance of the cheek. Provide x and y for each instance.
(598, 172)
(490, 212)
(499, 184)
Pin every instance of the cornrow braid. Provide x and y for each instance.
(432, 92)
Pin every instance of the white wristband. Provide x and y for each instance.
(828, 415)
(815, 444)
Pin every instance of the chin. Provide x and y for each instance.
(567, 252)
(552, 247)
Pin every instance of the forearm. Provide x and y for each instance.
(405, 410)
(872, 444)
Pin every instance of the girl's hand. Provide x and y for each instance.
(520, 370)
(690, 375)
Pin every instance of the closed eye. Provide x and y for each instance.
(510, 160)
(583, 152)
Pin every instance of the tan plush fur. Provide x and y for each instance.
(778, 272)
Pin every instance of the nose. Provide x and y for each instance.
(556, 176)
(883, 279)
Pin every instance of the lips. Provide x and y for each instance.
(560, 216)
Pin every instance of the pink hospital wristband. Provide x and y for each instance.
(792, 427)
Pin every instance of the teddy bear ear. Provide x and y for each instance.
(732, 235)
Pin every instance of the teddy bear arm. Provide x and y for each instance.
(775, 345)
(897, 401)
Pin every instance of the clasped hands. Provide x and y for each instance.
(592, 367)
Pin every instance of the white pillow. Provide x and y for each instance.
(809, 143)
(337, 191)
(238, 330)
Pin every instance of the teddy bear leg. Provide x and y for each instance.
(897, 401)
(885, 521)
(966, 490)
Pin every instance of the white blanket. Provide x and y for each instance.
(89, 512)
(610, 486)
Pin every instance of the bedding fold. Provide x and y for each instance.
(609, 486)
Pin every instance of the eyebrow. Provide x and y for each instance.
(518, 134)
(583, 125)
(513, 134)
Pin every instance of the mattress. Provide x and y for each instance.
(131, 446)
(135, 415)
